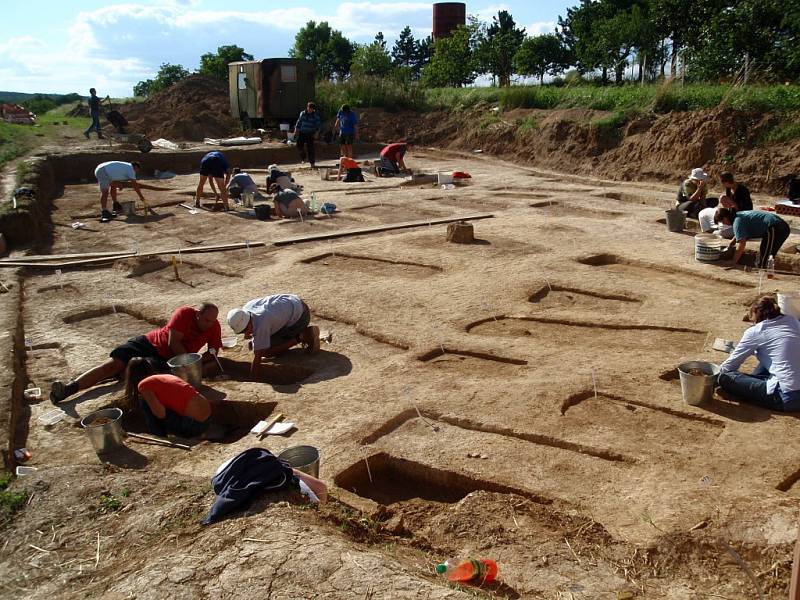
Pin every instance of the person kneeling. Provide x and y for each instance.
(170, 405)
(775, 341)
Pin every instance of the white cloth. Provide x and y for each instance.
(776, 345)
(308, 492)
(114, 170)
(271, 314)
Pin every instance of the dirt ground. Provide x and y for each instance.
(547, 348)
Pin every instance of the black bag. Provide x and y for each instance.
(793, 191)
(117, 120)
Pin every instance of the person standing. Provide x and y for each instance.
(214, 167)
(753, 224)
(305, 130)
(111, 176)
(276, 323)
(347, 123)
(737, 192)
(774, 339)
(94, 113)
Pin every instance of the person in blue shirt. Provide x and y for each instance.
(775, 341)
(753, 224)
(347, 124)
(214, 167)
(94, 113)
(305, 130)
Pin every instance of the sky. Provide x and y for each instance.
(63, 46)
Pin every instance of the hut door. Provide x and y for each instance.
(289, 96)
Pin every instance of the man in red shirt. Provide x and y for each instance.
(188, 330)
(392, 159)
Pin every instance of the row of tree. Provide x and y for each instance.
(701, 41)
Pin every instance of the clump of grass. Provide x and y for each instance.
(368, 92)
(10, 502)
(780, 133)
(611, 123)
(527, 124)
(109, 503)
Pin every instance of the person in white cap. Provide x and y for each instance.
(276, 323)
(692, 193)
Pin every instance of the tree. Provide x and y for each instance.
(541, 55)
(216, 65)
(423, 56)
(372, 59)
(328, 49)
(167, 75)
(404, 51)
(453, 62)
(496, 46)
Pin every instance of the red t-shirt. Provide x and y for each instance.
(394, 151)
(184, 320)
(173, 392)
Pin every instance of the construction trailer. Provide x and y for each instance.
(268, 92)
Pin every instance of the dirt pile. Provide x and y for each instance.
(190, 110)
(656, 147)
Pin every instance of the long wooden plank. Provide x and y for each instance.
(379, 228)
(49, 257)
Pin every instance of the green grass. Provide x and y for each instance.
(785, 131)
(10, 502)
(527, 124)
(367, 92)
(15, 140)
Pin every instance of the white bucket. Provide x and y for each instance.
(707, 247)
(790, 303)
(445, 178)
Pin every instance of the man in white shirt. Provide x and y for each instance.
(111, 176)
(276, 323)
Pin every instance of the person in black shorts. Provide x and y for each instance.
(214, 167)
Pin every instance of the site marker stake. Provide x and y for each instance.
(594, 384)
(249, 252)
(300, 214)
(365, 450)
(113, 308)
(58, 278)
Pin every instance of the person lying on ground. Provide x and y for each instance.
(112, 176)
(242, 183)
(305, 130)
(692, 193)
(736, 192)
(170, 405)
(288, 204)
(392, 159)
(706, 218)
(214, 166)
(775, 341)
(752, 224)
(275, 324)
(347, 124)
(349, 169)
(282, 179)
(188, 330)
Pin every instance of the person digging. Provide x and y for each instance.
(214, 167)
(188, 330)
(275, 324)
(112, 176)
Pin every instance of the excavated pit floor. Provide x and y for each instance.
(512, 397)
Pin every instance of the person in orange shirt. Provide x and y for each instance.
(170, 404)
(350, 168)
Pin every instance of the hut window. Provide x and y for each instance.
(288, 73)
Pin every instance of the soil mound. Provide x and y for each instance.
(192, 109)
(79, 110)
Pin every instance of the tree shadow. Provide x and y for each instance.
(125, 458)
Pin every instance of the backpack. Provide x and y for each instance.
(354, 175)
(793, 191)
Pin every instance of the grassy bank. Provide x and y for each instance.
(662, 98)
(16, 140)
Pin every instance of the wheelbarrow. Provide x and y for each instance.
(119, 123)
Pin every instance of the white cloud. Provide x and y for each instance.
(540, 27)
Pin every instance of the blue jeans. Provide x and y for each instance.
(173, 423)
(95, 126)
(753, 390)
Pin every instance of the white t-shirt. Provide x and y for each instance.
(707, 225)
(115, 170)
(271, 314)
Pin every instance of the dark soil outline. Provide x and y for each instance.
(103, 311)
(606, 259)
(586, 324)
(377, 337)
(579, 211)
(545, 290)
(576, 399)
(319, 257)
(463, 423)
(441, 351)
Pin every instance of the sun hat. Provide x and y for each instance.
(238, 319)
(698, 173)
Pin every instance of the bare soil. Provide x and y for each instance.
(514, 398)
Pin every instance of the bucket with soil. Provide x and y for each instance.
(104, 429)
(188, 367)
(676, 220)
(698, 379)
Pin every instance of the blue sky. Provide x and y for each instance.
(66, 46)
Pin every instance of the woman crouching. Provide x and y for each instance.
(169, 404)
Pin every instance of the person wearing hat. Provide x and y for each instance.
(276, 323)
(692, 193)
(754, 224)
